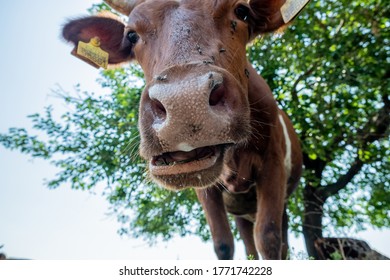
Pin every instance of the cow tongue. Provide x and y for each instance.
(183, 156)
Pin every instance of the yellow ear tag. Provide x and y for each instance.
(92, 53)
(291, 8)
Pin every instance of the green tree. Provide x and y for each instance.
(329, 71)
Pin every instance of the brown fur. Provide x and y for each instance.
(207, 119)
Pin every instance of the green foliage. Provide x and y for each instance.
(336, 256)
(329, 71)
(99, 8)
(156, 212)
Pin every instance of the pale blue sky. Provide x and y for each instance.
(63, 224)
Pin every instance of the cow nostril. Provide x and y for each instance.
(217, 95)
(158, 109)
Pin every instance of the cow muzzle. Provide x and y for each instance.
(187, 123)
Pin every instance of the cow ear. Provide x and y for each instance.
(109, 31)
(271, 15)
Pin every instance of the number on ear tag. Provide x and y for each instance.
(92, 53)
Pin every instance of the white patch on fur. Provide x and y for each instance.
(184, 147)
(287, 158)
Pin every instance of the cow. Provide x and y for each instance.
(207, 119)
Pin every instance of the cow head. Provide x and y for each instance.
(195, 104)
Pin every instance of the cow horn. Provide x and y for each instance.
(124, 6)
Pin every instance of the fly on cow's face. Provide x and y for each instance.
(233, 25)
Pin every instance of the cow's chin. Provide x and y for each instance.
(179, 170)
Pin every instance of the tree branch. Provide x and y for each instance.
(376, 128)
(294, 91)
(332, 189)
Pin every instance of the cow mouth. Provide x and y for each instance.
(179, 162)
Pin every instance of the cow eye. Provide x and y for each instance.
(242, 12)
(133, 37)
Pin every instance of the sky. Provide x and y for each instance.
(38, 223)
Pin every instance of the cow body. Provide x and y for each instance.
(207, 120)
(256, 182)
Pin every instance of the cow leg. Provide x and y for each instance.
(245, 228)
(270, 207)
(285, 234)
(268, 230)
(216, 216)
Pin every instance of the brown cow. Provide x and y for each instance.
(207, 120)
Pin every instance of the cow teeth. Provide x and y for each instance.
(159, 162)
